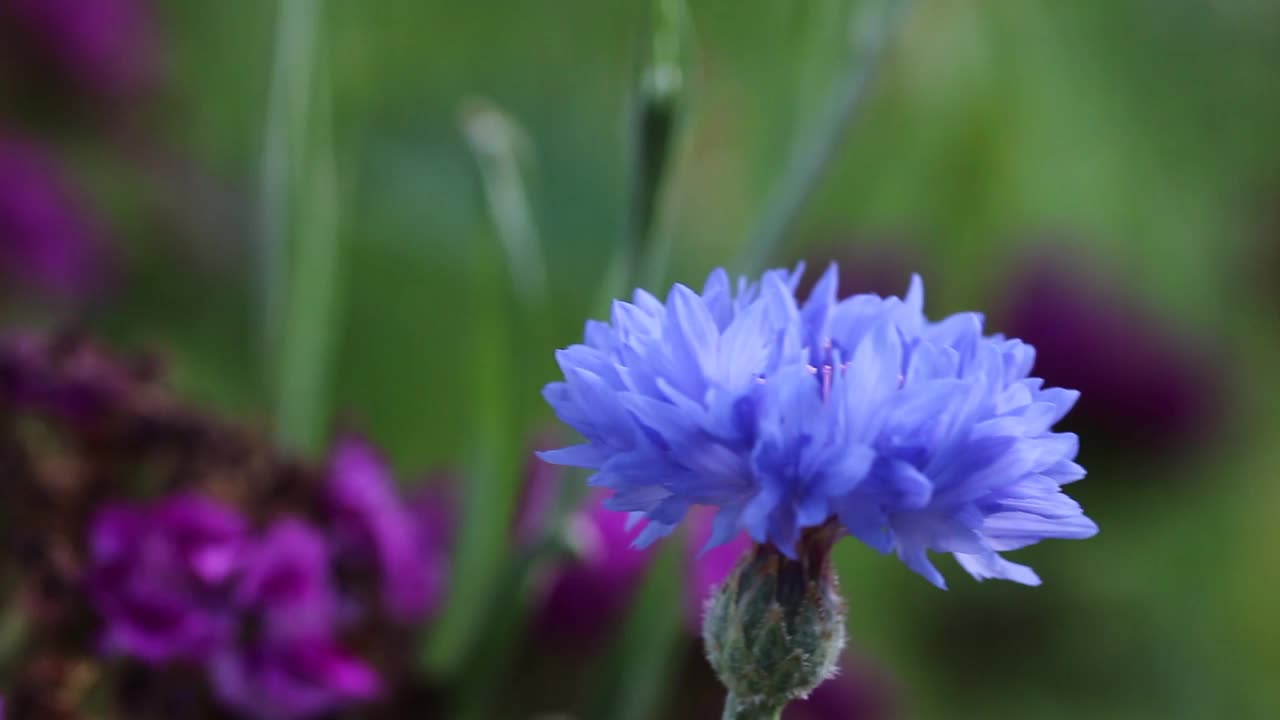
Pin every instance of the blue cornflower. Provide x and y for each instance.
(914, 436)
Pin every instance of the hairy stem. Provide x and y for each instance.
(735, 709)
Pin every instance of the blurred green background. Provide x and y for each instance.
(1139, 136)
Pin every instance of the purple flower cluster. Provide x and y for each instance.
(295, 667)
(187, 580)
(913, 436)
(368, 519)
(163, 575)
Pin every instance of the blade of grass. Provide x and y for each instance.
(301, 238)
(492, 469)
(498, 144)
(486, 617)
(662, 106)
(818, 143)
(633, 681)
(287, 100)
(658, 111)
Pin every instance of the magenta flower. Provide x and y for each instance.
(373, 524)
(49, 239)
(160, 577)
(105, 48)
(294, 668)
(588, 593)
(287, 582)
(290, 680)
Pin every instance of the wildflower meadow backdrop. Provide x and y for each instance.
(282, 284)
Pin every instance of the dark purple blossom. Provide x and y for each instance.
(71, 381)
(160, 577)
(104, 48)
(588, 593)
(1141, 385)
(49, 239)
(373, 523)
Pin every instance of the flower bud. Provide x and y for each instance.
(774, 630)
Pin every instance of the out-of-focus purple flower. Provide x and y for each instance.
(294, 667)
(1140, 385)
(160, 576)
(287, 581)
(859, 692)
(434, 507)
(372, 521)
(707, 568)
(290, 680)
(105, 48)
(76, 381)
(588, 594)
(537, 501)
(49, 240)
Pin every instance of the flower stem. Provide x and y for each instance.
(302, 242)
(498, 144)
(820, 142)
(659, 110)
(734, 709)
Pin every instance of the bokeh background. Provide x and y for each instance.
(287, 202)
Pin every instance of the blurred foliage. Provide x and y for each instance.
(1141, 133)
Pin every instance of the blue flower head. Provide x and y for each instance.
(913, 436)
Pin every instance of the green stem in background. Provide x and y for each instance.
(498, 145)
(735, 710)
(476, 642)
(287, 102)
(631, 684)
(632, 681)
(818, 144)
(300, 238)
(493, 457)
(657, 117)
